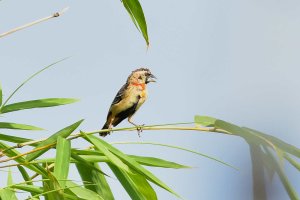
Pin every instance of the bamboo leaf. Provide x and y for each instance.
(86, 163)
(62, 160)
(39, 103)
(180, 148)
(103, 149)
(135, 185)
(98, 180)
(19, 159)
(279, 143)
(8, 193)
(99, 143)
(136, 14)
(204, 120)
(292, 161)
(258, 173)
(52, 189)
(32, 76)
(82, 193)
(95, 156)
(157, 162)
(280, 171)
(25, 175)
(65, 132)
(28, 188)
(9, 125)
(14, 139)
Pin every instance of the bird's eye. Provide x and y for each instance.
(140, 77)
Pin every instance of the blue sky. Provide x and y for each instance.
(234, 60)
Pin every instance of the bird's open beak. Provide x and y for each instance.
(151, 78)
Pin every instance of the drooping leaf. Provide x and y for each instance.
(86, 163)
(9, 125)
(112, 157)
(279, 143)
(62, 160)
(180, 148)
(14, 139)
(99, 143)
(136, 13)
(8, 193)
(135, 185)
(52, 189)
(292, 161)
(65, 132)
(39, 103)
(98, 180)
(204, 120)
(83, 193)
(258, 172)
(284, 179)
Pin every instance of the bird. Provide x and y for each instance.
(129, 99)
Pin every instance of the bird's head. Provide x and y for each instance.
(141, 76)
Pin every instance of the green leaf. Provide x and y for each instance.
(86, 163)
(103, 149)
(25, 175)
(32, 76)
(28, 188)
(39, 103)
(258, 172)
(14, 139)
(284, 179)
(136, 14)
(135, 185)
(52, 189)
(52, 140)
(8, 193)
(292, 161)
(157, 162)
(99, 143)
(98, 180)
(279, 143)
(62, 160)
(204, 120)
(9, 125)
(82, 193)
(13, 152)
(180, 148)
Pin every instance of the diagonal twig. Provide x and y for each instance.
(57, 14)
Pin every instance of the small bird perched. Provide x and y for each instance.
(129, 99)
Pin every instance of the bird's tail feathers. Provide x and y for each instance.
(106, 126)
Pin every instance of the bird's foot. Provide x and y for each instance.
(139, 129)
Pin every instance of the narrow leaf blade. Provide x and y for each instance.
(65, 132)
(9, 125)
(98, 180)
(62, 160)
(39, 103)
(135, 185)
(136, 13)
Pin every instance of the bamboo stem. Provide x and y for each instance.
(57, 14)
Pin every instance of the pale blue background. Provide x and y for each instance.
(234, 60)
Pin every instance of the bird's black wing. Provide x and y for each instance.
(119, 95)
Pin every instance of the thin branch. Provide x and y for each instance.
(77, 135)
(57, 14)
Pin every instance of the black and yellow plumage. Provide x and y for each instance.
(129, 98)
